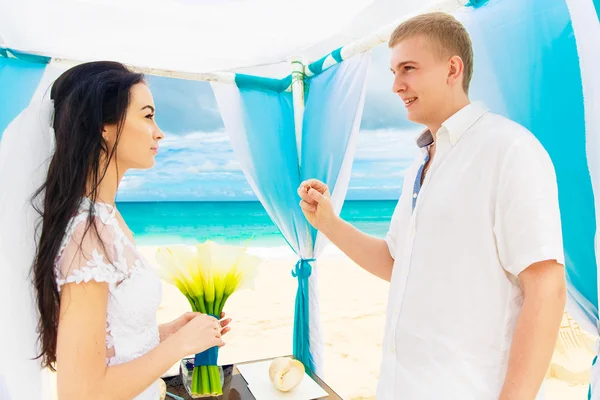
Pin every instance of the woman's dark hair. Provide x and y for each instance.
(86, 98)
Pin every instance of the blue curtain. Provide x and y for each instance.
(259, 117)
(527, 68)
(273, 165)
(333, 111)
(19, 78)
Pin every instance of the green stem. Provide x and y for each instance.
(194, 385)
(205, 380)
(218, 299)
(192, 303)
(211, 380)
(214, 385)
(215, 380)
(210, 307)
(216, 309)
(202, 384)
(221, 305)
(208, 380)
(200, 305)
(201, 381)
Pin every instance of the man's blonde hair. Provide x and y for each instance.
(446, 33)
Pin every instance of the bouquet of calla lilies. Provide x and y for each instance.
(207, 274)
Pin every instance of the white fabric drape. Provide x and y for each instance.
(193, 35)
(25, 152)
(587, 30)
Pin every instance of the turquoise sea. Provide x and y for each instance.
(165, 223)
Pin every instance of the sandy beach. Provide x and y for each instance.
(352, 313)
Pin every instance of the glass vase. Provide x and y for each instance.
(203, 381)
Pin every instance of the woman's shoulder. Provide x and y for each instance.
(87, 251)
(102, 222)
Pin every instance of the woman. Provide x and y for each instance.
(97, 297)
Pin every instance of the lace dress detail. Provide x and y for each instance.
(134, 286)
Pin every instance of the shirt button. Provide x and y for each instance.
(414, 195)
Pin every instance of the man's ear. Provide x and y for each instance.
(456, 68)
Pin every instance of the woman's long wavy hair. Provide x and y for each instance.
(86, 98)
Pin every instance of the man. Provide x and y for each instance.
(474, 251)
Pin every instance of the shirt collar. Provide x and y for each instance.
(456, 125)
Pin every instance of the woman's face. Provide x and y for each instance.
(138, 144)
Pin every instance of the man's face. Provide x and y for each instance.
(420, 78)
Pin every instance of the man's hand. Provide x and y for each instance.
(316, 204)
(369, 252)
(166, 330)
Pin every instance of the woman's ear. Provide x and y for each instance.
(109, 133)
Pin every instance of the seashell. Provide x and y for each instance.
(163, 389)
(286, 373)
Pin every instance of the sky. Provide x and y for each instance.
(196, 161)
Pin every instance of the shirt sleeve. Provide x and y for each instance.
(392, 234)
(527, 215)
(402, 211)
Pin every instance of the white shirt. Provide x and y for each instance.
(488, 209)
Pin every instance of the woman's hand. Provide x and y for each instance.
(199, 334)
(169, 328)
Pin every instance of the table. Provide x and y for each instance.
(236, 387)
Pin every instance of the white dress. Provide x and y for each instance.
(134, 287)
